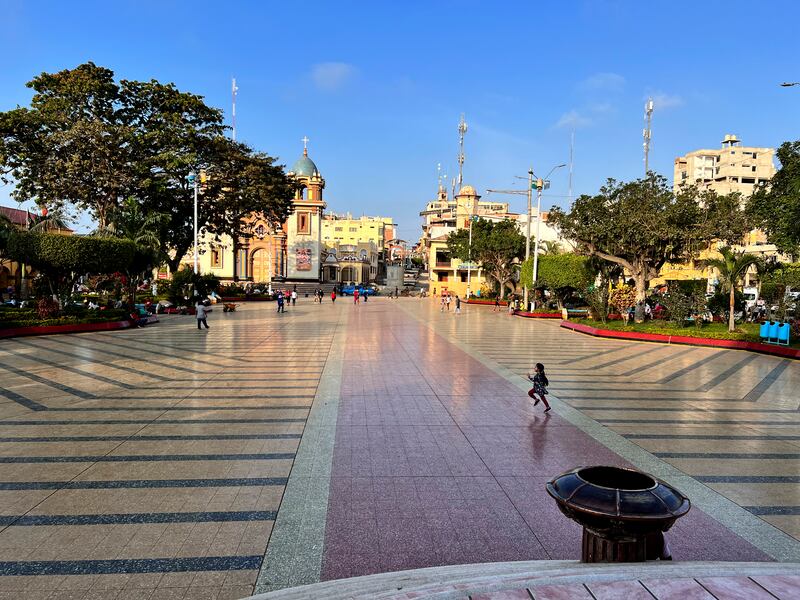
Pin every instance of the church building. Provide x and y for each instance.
(291, 252)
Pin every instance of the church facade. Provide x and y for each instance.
(290, 252)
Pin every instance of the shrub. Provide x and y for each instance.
(47, 308)
(185, 282)
(598, 299)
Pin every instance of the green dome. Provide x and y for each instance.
(305, 167)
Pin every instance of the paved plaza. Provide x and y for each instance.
(340, 440)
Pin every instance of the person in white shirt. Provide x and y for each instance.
(294, 297)
(201, 310)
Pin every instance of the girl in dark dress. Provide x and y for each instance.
(540, 383)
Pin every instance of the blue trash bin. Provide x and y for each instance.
(783, 334)
(773, 332)
(763, 331)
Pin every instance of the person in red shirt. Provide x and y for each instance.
(355, 296)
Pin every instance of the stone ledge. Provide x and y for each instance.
(465, 580)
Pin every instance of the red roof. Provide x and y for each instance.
(15, 215)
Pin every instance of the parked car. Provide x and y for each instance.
(349, 290)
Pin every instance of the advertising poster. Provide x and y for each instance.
(303, 259)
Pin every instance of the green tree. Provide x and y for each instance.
(638, 225)
(496, 247)
(563, 274)
(548, 247)
(775, 207)
(732, 267)
(69, 147)
(62, 259)
(130, 222)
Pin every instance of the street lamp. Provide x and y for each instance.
(192, 179)
(540, 184)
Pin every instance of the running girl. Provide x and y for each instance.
(540, 383)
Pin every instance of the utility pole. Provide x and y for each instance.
(462, 129)
(647, 133)
(234, 89)
(528, 233)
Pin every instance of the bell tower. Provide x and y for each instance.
(304, 225)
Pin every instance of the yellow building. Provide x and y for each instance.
(344, 229)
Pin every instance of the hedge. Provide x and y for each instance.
(58, 253)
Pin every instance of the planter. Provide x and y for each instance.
(684, 340)
(620, 511)
(52, 329)
(485, 302)
(538, 315)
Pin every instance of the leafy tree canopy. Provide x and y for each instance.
(563, 274)
(91, 142)
(775, 207)
(496, 247)
(638, 225)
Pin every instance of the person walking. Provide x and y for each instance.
(280, 302)
(458, 305)
(396, 292)
(355, 296)
(496, 304)
(447, 303)
(200, 312)
(366, 295)
(441, 304)
(333, 296)
(540, 383)
(294, 296)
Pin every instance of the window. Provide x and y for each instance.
(216, 257)
(755, 154)
(442, 276)
(753, 169)
(338, 228)
(748, 180)
(303, 223)
(354, 230)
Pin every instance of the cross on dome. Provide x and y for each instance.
(305, 141)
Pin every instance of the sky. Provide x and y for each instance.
(378, 87)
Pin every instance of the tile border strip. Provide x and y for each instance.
(294, 552)
(759, 533)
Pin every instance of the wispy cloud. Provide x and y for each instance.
(573, 120)
(607, 82)
(665, 101)
(332, 76)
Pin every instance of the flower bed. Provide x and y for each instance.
(537, 314)
(486, 302)
(8, 332)
(738, 341)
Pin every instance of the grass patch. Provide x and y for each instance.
(745, 332)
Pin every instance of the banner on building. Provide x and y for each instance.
(303, 259)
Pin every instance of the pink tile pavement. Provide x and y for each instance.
(440, 461)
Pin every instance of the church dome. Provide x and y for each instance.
(305, 167)
(467, 190)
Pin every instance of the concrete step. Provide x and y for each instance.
(464, 581)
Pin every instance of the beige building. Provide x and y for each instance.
(731, 168)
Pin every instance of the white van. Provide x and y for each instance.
(750, 296)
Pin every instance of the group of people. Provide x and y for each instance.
(446, 300)
(284, 298)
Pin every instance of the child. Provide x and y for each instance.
(540, 383)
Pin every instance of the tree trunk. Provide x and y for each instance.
(641, 295)
(731, 318)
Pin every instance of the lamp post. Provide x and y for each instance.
(540, 185)
(192, 179)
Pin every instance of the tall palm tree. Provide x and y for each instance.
(732, 268)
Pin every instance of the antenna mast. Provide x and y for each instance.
(234, 89)
(647, 133)
(462, 129)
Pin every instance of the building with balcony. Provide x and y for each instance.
(731, 168)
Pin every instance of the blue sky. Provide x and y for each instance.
(378, 87)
